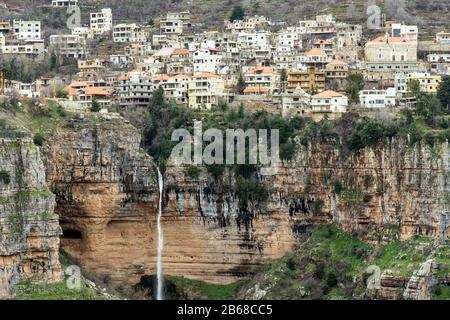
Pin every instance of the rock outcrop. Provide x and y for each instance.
(29, 229)
(106, 193)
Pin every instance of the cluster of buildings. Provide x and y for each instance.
(297, 70)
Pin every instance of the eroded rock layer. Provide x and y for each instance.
(106, 191)
(29, 229)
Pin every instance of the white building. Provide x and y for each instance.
(122, 33)
(101, 22)
(377, 98)
(64, 3)
(27, 30)
(207, 60)
(410, 33)
(329, 102)
(254, 39)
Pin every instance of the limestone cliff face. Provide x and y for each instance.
(388, 190)
(106, 193)
(29, 229)
(104, 186)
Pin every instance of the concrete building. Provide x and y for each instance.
(315, 57)
(336, 73)
(249, 24)
(428, 83)
(295, 102)
(134, 89)
(329, 103)
(377, 98)
(102, 22)
(174, 23)
(205, 90)
(260, 80)
(122, 33)
(410, 33)
(27, 30)
(90, 69)
(311, 80)
(68, 45)
(207, 60)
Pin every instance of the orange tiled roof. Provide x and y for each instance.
(258, 90)
(181, 76)
(95, 91)
(161, 77)
(316, 52)
(71, 91)
(263, 70)
(338, 62)
(328, 94)
(179, 52)
(205, 75)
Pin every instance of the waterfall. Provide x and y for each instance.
(159, 267)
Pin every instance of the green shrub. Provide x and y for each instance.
(5, 177)
(193, 172)
(39, 139)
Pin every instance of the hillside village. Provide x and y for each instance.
(318, 67)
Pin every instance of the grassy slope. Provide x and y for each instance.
(330, 265)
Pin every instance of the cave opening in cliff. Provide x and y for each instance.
(71, 234)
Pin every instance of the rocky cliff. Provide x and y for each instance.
(106, 193)
(29, 229)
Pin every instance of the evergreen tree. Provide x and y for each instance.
(95, 107)
(240, 86)
(443, 93)
(157, 99)
(355, 83)
(54, 62)
(238, 13)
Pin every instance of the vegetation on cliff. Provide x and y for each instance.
(332, 264)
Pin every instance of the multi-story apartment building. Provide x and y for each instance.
(428, 83)
(328, 103)
(205, 90)
(336, 72)
(207, 60)
(174, 23)
(410, 33)
(30, 49)
(295, 102)
(68, 45)
(311, 80)
(90, 69)
(134, 89)
(439, 63)
(122, 33)
(176, 88)
(249, 24)
(347, 35)
(253, 40)
(378, 98)
(27, 30)
(315, 58)
(102, 22)
(260, 80)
